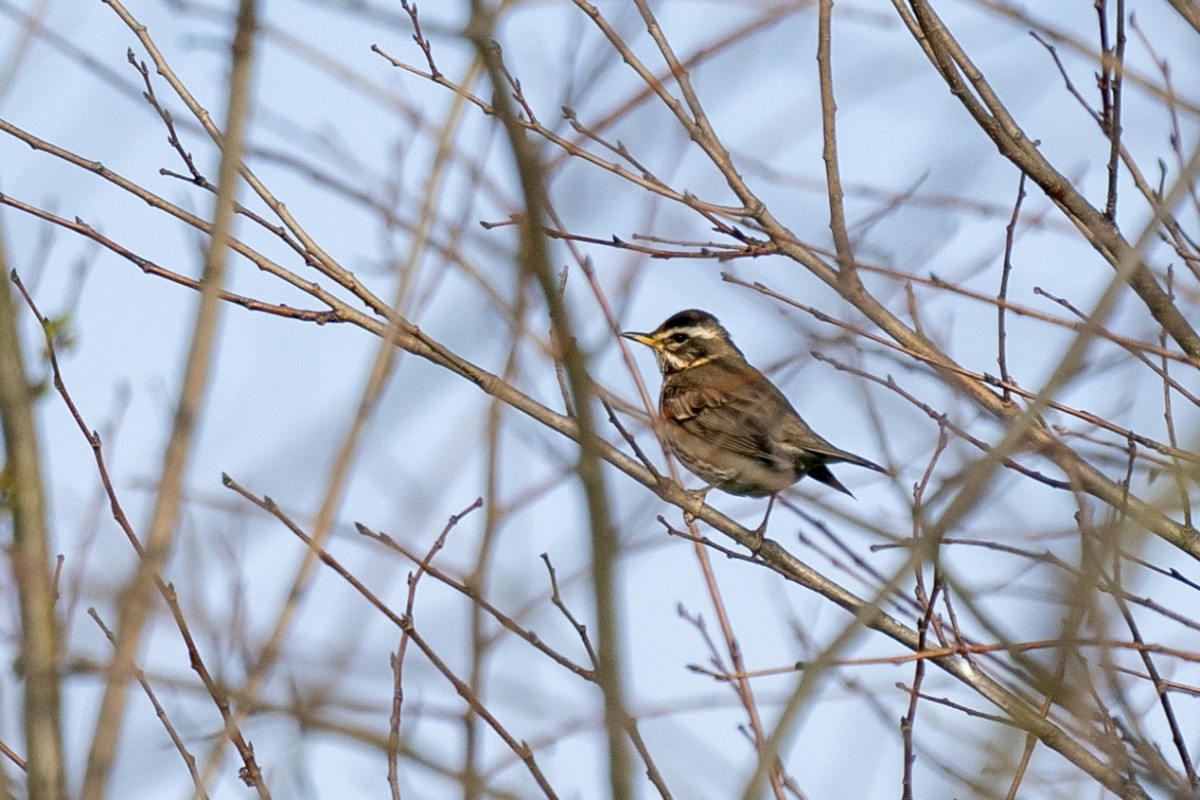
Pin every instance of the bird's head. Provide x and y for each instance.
(688, 339)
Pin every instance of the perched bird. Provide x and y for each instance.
(726, 421)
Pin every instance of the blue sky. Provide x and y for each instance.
(284, 391)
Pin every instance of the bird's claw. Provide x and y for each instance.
(756, 542)
(758, 533)
(699, 494)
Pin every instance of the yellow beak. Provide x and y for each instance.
(642, 338)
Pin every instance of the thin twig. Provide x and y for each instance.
(1112, 74)
(928, 601)
(472, 593)
(250, 772)
(188, 759)
(397, 659)
(405, 624)
(1002, 297)
(557, 600)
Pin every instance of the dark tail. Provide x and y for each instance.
(821, 474)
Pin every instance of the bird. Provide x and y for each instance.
(727, 422)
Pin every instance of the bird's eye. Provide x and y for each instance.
(679, 338)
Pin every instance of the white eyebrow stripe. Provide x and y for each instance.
(695, 331)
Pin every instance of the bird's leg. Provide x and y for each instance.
(699, 494)
(761, 529)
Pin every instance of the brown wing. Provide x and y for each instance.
(739, 409)
(730, 405)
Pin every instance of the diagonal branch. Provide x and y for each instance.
(967, 83)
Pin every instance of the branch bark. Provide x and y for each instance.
(32, 570)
